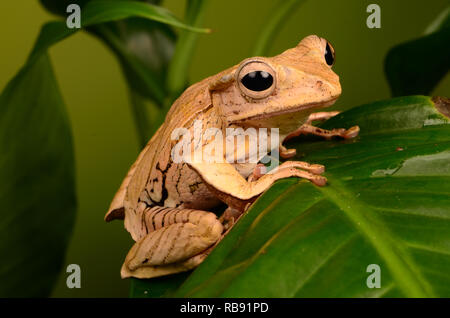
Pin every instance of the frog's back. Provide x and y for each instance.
(154, 178)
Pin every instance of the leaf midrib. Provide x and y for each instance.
(401, 212)
(325, 261)
(404, 271)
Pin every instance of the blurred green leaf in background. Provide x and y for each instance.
(417, 66)
(37, 184)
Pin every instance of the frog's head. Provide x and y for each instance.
(280, 91)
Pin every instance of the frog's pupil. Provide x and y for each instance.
(257, 81)
(329, 58)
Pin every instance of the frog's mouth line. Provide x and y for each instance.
(289, 110)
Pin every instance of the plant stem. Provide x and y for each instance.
(184, 49)
(139, 104)
(140, 115)
(278, 17)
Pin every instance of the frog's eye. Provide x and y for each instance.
(256, 79)
(329, 54)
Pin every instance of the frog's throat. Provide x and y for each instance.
(288, 110)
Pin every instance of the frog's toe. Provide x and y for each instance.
(351, 132)
(319, 180)
(289, 153)
(317, 169)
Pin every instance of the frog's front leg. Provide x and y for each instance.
(173, 240)
(261, 169)
(307, 128)
(233, 189)
(230, 216)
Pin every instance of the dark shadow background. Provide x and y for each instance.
(106, 143)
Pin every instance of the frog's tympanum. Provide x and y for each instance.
(165, 204)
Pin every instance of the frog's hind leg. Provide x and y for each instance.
(176, 241)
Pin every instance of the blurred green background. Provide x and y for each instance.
(94, 90)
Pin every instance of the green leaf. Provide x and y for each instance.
(272, 25)
(387, 202)
(156, 287)
(416, 67)
(37, 184)
(102, 11)
(99, 11)
(441, 22)
(59, 7)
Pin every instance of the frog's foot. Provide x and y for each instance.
(300, 169)
(327, 134)
(307, 128)
(229, 217)
(288, 169)
(286, 153)
(258, 172)
(176, 241)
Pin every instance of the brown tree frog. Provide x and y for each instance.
(165, 204)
